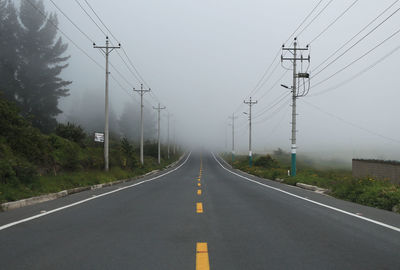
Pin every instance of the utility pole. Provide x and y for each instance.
(107, 49)
(233, 135)
(168, 134)
(159, 116)
(141, 91)
(250, 103)
(174, 136)
(295, 94)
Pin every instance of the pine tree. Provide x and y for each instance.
(41, 62)
(9, 34)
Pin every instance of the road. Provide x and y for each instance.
(237, 222)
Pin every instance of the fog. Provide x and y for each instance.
(203, 58)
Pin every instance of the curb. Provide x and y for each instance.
(52, 196)
(300, 185)
(312, 188)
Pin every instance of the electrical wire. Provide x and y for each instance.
(90, 17)
(334, 21)
(352, 46)
(273, 104)
(357, 59)
(351, 124)
(65, 35)
(315, 17)
(71, 21)
(358, 74)
(305, 19)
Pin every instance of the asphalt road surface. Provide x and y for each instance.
(200, 215)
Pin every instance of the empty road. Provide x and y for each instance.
(199, 215)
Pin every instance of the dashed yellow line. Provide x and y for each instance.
(199, 207)
(202, 261)
(199, 192)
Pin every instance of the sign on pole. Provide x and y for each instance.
(98, 137)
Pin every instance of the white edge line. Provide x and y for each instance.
(88, 199)
(311, 201)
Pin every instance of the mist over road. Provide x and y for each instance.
(200, 216)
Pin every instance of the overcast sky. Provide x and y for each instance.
(203, 58)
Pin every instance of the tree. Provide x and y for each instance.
(40, 64)
(10, 31)
(129, 122)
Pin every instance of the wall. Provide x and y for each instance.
(377, 169)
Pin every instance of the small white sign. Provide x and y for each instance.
(98, 137)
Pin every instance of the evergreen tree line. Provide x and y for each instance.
(31, 60)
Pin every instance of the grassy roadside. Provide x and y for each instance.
(340, 182)
(67, 180)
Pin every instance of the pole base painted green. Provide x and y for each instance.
(293, 170)
(250, 161)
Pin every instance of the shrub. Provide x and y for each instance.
(71, 132)
(266, 162)
(129, 158)
(64, 154)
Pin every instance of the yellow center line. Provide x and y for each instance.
(199, 192)
(199, 207)
(202, 261)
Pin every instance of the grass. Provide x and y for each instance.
(340, 182)
(66, 180)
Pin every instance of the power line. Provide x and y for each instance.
(315, 17)
(305, 19)
(334, 21)
(357, 59)
(352, 46)
(350, 123)
(274, 84)
(273, 113)
(71, 21)
(357, 75)
(90, 17)
(65, 35)
(101, 21)
(272, 104)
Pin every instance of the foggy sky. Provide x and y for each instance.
(202, 59)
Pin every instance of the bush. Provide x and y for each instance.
(129, 158)
(71, 132)
(266, 162)
(64, 154)
(151, 149)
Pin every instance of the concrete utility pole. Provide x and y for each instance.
(159, 116)
(295, 94)
(106, 50)
(174, 137)
(141, 91)
(250, 103)
(168, 135)
(233, 117)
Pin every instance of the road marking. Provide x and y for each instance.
(199, 192)
(198, 184)
(199, 207)
(89, 199)
(394, 228)
(202, 261)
